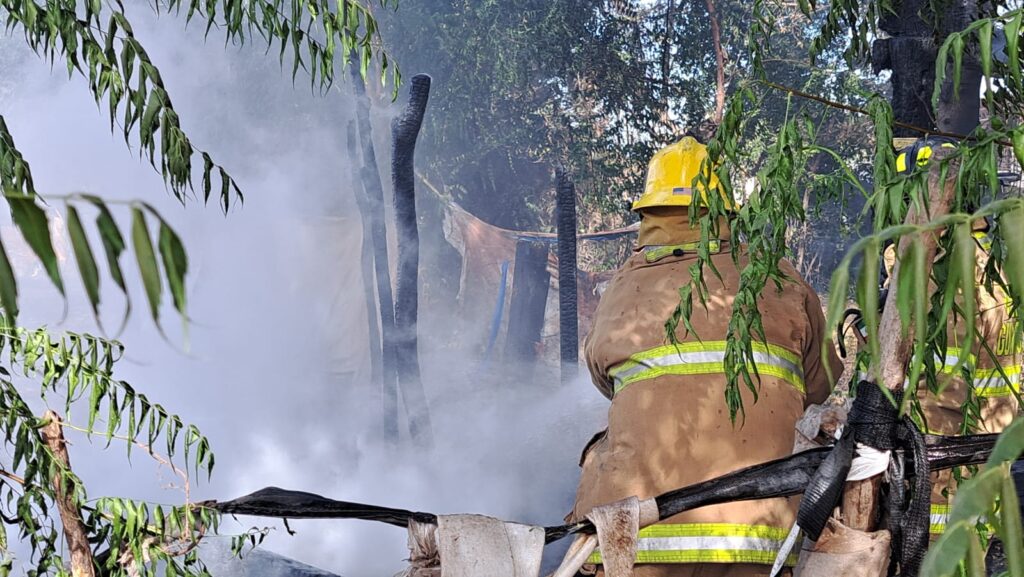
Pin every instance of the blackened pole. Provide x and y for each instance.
(565, 207)
(366, 257)
(375, 201)
(404, 131)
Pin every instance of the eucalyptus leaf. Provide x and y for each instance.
(31, 220)
(84, 258)
(145, 257)
(8, 287)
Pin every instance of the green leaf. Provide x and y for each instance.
(8, 287)
(805, 7)
(965, 254)
(1012, 228)
(146, 259)
(113, 242)
(905, 286)
(958, 59)
(976, 496)
(836, 304)
(985, 45)
(1013, 55)
(917, 265)
(867, 295)
(172, 253)
(1017, 138)
(1010, 444)
(34, 226)
(975, 557)
(85, 259)
(1012, 534)
(941, 63)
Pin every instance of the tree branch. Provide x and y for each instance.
(64, 485)
(896, 344)
(716, 39)
(849, 108)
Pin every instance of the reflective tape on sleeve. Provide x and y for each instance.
(706, 358)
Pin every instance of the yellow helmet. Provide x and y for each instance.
(671, 174)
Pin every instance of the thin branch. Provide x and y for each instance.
(857, 110)
(12, 477)
(160, 459)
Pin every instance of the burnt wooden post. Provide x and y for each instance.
(530, 284)
(567, 295)
(375, 204)
(404, 131)
(366, 257)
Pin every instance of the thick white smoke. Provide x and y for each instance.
(276, 374)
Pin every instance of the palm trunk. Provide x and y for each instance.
(404, 130)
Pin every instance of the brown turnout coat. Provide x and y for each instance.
(668, 424)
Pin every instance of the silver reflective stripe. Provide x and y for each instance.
(706, 358)
(707, 544)
(992, 383)
(986, 382)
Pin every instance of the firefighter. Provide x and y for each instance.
(668, 424)
(981, 395)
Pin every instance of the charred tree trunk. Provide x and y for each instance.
(530, 283)
(404, 130)
(910, 54)
(375, 204)
(567, 296)
(366, 257)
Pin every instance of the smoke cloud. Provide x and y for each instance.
(276, 373)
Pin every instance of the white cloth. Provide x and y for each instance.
(478, 546)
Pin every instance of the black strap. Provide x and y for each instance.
(826, 487)
(876, 423)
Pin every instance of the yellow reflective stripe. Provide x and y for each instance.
(700, 347)
(715, 530)
(709, 543)
(939, 517)
(705, 358)
(984, 240)
(656, 253)
(990, 382)
(987, 383)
